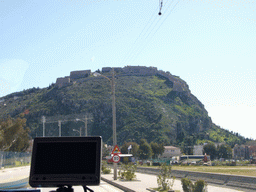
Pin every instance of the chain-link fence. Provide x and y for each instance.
(9, 158)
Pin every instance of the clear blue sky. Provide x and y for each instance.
(208, 43)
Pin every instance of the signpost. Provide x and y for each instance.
(116, 154)
(116, 158)
(116, 150)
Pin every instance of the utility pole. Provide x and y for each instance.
(85, 126)
(44, 120)
(52, 121)
(114, 117)
(112, 81)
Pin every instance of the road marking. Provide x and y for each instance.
(110, 188)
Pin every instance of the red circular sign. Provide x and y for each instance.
(116, 158)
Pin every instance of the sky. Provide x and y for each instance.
(208, 43)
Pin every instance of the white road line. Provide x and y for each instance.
(105, 187)
(109, 188)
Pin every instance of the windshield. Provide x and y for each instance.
(171, 73)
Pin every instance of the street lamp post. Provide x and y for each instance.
(52, 121)
(112, 81)
(59, 124)
(85, 124)
(78, 131)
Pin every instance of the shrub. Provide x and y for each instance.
(164, 180)
(127, 171)
(198, 186)
(104, 168)
(187, 185)
(106, 171)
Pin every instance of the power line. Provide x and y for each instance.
(142, 47)
(130, 55)
(129, 52)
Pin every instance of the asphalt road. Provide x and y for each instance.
(144, 181)
(14, 174)
(103, 187)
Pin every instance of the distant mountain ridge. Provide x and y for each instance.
(150, 104)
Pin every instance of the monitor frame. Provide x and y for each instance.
(57, 180)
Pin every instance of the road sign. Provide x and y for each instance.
(116, 150)
(116, 158)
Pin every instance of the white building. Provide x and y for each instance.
(198, 150)
(170, 151)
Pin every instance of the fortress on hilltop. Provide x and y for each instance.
(84, 75)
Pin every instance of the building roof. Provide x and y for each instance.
(170, 147)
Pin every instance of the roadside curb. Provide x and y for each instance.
(152, 190)
(117, 185)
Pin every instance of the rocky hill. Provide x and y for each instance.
(150, 104)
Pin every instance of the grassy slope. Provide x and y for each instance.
(237, 170)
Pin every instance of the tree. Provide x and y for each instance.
(165, 180)
(187, 145)
(210, 149)
(134, 149)
(157, 149)
(14, 135)
(145, 151)
(224, 151)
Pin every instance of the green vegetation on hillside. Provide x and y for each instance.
(147, 107)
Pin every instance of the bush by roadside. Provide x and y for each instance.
(189, 186)
(165, 180)
(104, 168)
(127, 172)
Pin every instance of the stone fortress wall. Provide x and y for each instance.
(67, 80)
(178, 84)
(132, 70)
(80, 74)
(62, 81)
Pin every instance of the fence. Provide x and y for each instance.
(9, 158)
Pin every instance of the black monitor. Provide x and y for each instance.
(65, 161)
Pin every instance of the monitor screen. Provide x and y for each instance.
(58, 161)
